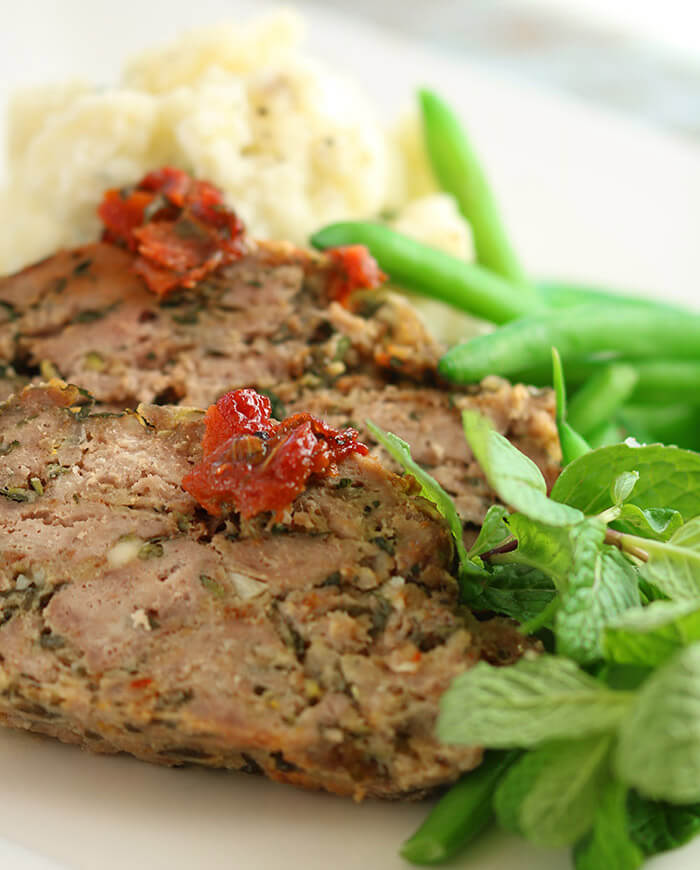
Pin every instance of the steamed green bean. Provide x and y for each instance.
(433, 273)
(576, 332)
(460, 815)
(459, 172)
(600, 397)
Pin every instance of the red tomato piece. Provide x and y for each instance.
(180, 228)
(355, 269)
(252, 464)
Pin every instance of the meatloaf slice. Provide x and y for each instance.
(429, 419)
(87, 316)
(266, 321)
(313, 649)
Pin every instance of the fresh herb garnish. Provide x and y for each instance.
(609, 722)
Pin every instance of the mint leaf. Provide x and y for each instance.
(623, 677)
(659, 741)
(430, 489)
(596, 583)
(649, 636)
(515, 478)
(657, 523)
(550, 549)
(550, 795)
(669, 477)
(657, 826)
(526, 704)
(559, 385)
(492, 533)
(674, 565)
(609, 844)
(602, 585)
(623, 485)
(517, 591)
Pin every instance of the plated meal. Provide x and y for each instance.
(258, 513)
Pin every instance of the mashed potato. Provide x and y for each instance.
(291, 143)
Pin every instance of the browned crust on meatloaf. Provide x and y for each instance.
(266, 322)
(313, 649)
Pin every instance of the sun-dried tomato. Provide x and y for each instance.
(252, 463)
(240, 412)
(354, 268)
(180, 228)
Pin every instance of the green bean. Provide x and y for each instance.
(604, 435)
(667, 381)
(671, 424)
(600, 397)
(460, 815)
(659, 381)
(630, 331)
(577, 372)
(460, 173)
(572, 444)
(564, 295)
(426, 270)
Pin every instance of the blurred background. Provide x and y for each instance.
(641, 57)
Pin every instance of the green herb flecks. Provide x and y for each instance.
(6, 449)
(211, 585)
(90, 315)
(151, 550)
(82, 267)
(18, 493)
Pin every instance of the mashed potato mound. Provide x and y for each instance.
(291, 143)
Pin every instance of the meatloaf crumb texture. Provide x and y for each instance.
(267, 322)
(313, 649)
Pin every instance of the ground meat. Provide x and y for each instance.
(267, 321)
(312, 648)
(429, 419)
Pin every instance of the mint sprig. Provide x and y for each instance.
(669, 478)
(518, 591)
(610, 843)
(674, 565)
(657, 523)
(656, 826)
(609, 724)
(659, 741)
(514, 476)
(527, 704)
(492, 533)
(550, 795)
(649, 636)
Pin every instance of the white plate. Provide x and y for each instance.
(587, 196)
(14, 856)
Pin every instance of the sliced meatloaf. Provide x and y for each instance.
(87, 316)
(429, 419)
(266, 321)
(312, 648)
